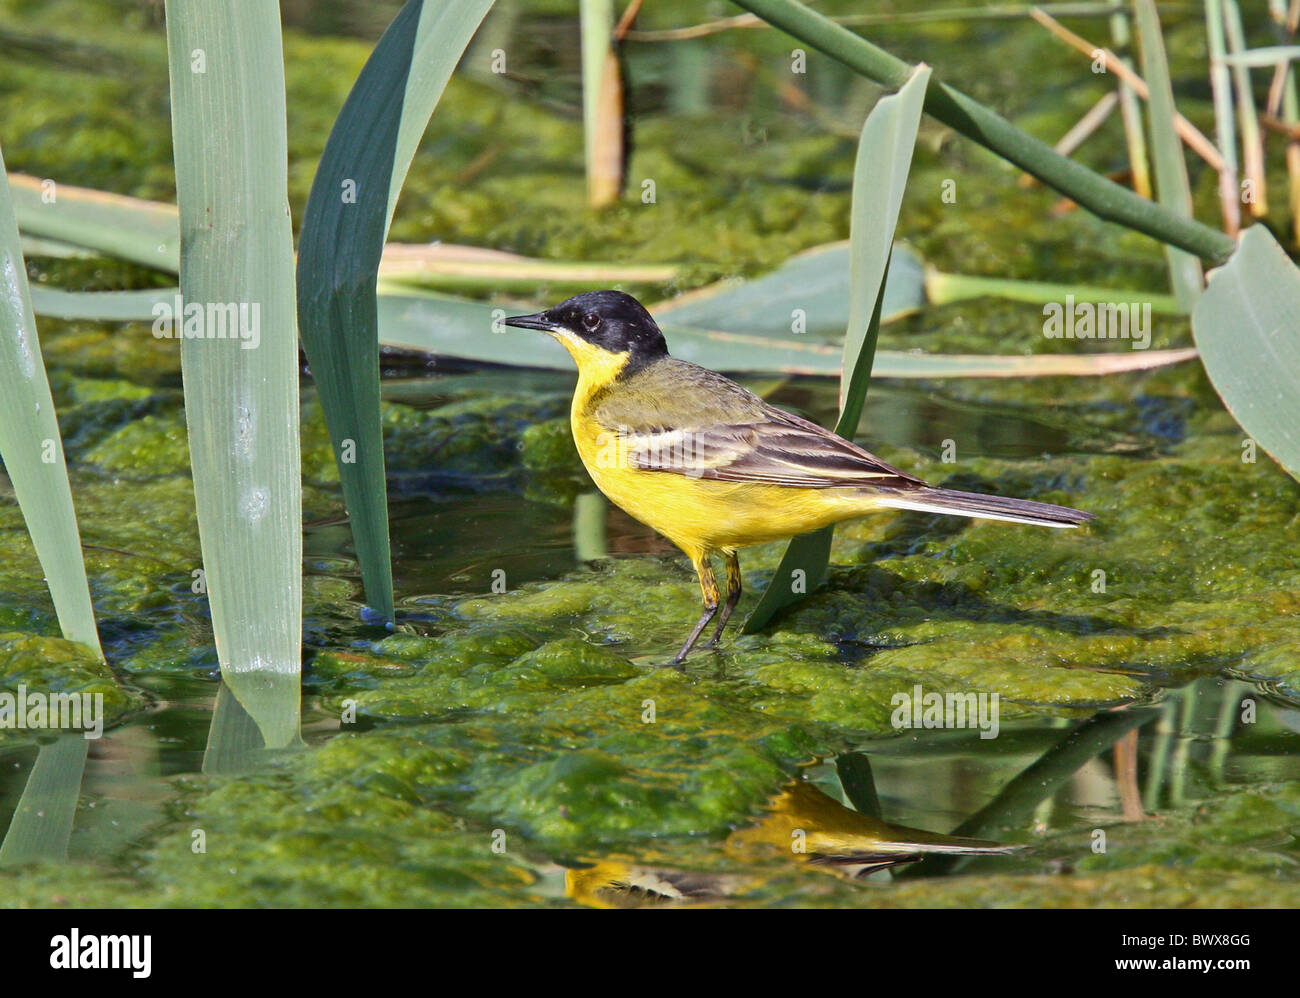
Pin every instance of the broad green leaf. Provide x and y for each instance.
(1247, 327)
(143, 232)
(31, 446)
(241, 394)
(36, 246)
(343, 233)
(941, 289)
(810, 292)
(147, 232)
(469, 330)
(814, 284)
(452, 327)
(441, 36)
(1172, 188)
(103, 306)
(879, 179)
(42, 822)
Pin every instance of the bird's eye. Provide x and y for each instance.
(591, 322)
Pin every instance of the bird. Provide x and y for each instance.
(801, 822)
(710, 465)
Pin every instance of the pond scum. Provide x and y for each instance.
(516, 744)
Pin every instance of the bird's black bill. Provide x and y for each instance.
(535, 321)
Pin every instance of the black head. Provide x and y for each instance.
(608, 320)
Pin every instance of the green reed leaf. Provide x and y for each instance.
(343, 232)
(241, 393)
(30, 444)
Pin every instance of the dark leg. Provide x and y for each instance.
(733, 596)
(709, 588)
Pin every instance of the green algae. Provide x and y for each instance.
(471, 437)
(157, 443)
(1144, 887)
(48, 665)
(548, 447)
(270, 841)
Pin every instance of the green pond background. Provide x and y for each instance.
(522, 711)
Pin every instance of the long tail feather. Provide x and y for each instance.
(928, 500)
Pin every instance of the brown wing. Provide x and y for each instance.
(681, 418)
(781, 449)
(688, 420)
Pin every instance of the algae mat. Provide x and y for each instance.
(513, 741)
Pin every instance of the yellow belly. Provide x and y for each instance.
(701, 514)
